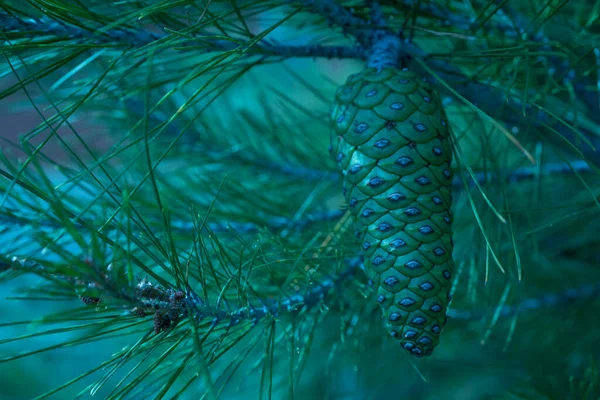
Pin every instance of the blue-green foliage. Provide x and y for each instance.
(162, 149)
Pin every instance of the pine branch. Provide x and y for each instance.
(485, 96)
(175, 304)
(489, 98)
(518, 26)
(446, 17)
(241, 228)
(274, 224)
(278, 223)
(560, 68)
(316, 51)
(136, 38)
(312, 174)
(517, 175)
(103, 283)
(34, 26)
(561, 299)
(315, 296)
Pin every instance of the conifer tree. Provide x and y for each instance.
(222, 199)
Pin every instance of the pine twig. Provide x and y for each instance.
(559, 67)
(174, 304)
(317, 51)
(488, 98)
(145, 297)
(104, 284)
(277, 223)
(242, 228)
(139, 38)
(318, 293)
(532, 304)
(47, 26)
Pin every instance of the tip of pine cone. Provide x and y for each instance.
(417, 350)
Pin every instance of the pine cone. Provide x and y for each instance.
(390, 138)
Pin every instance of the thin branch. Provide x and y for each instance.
(273, 223)
(316, 51)
(511, 24)
(531, 304)
(103, 283)
(278, 223)
(33, 27)
(50, 27)
(174, 304)
(487, 97)
(317, 294)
